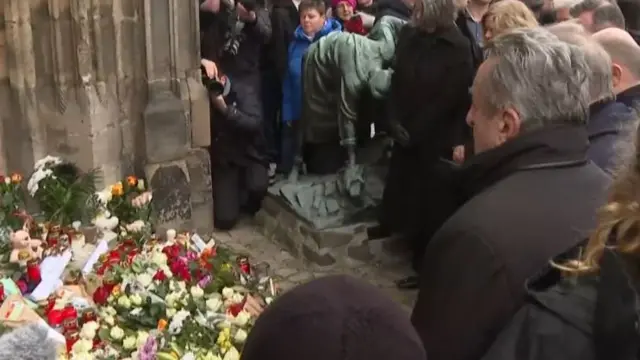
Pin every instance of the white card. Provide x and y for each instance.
(198, 242)
(101, 248)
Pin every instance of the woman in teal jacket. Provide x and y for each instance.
(314, 24)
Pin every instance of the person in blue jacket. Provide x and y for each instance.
(314, 24)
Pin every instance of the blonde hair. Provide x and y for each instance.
(506, 15)
(618, 220)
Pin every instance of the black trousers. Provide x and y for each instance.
(237, 189)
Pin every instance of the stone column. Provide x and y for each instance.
(176, 167)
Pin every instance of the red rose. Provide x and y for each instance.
(22, 285)
(235, 309)
(184, 275)
(160, 276)
(101, 295)
(172, 251)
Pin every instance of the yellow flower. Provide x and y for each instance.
(132, 181)
(16, 178)
(117, 189)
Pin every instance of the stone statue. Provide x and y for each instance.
(338, 70)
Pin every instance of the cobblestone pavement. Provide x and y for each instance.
(247, 239)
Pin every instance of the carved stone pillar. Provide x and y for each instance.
(176, 118)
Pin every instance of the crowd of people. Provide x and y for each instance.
(509, 174)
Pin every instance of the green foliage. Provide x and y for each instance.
(65, 198)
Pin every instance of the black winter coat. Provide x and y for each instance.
(587, 318)
(395, 8)
(530, 199)
(610, 124)
(237, 133)
(284, 21)
(429, 99)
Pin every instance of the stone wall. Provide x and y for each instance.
(108, 84)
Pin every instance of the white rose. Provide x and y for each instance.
(135, 299)
(124, 301)
(227, 293)
(159, 258)
(110, 310)
(143, 336)
(109, 320)
(82, 346)
(116, 333)
(241, 336)
(135, 226)
(171, 300)
(7, 180)
(268, 300)
(171, 312)
(135, 356)
(81, 356)
(196, 292)
(145, 280)
(188, 356)
(213, 304)
(242, 318)
(237, 298)
(129, 342)
(232, 354)
(89, 330)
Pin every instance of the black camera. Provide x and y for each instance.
(214, 86)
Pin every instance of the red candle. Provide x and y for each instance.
(33, 272)
(54, 318)
(70, 312)
(1, 293)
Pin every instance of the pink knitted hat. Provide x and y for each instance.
(334, 3)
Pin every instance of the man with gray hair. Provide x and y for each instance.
(607, 117)
(528, 194)
(596, 15)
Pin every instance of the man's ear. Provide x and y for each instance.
(616, 71)
(510, 124)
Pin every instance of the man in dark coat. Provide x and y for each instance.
(625, 56)
(531, 193)
(609, 120)
(232, 39)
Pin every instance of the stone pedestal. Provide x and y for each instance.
(337, 248)
(109, 84)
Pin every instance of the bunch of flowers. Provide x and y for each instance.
(168, 300)
(62, 191)
(11, 201)
(128, 201)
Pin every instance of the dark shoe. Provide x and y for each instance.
(408, 283)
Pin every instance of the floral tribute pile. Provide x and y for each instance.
(141, 296)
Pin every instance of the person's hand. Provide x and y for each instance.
(253, 306)
(210, 68)
(219, 103)
(244, 14)
(458, 154)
